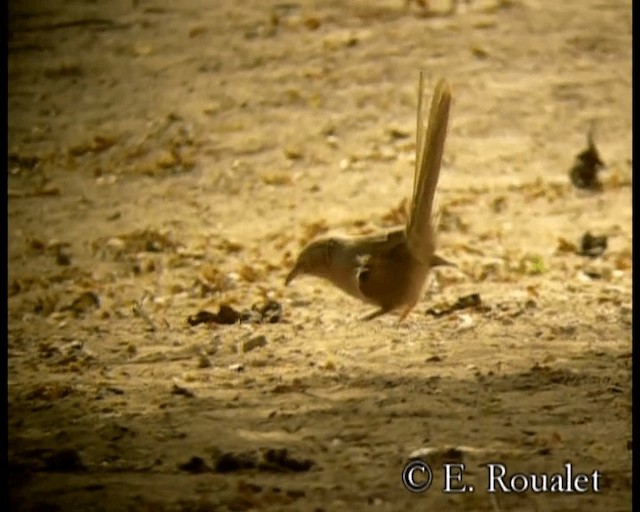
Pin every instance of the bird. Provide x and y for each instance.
(389, 269)
(587, 165)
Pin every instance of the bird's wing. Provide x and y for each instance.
(420, 226)
(378, 242)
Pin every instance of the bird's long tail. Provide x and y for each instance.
(430, 148)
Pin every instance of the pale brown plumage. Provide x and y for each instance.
(389, 269)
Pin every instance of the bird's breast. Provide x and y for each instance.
(344, 275)
(392, 279)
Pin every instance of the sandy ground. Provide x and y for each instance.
(167, 158)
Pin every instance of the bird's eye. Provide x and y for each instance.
(331, 245)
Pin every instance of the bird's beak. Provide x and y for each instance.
(292, 275)
(437, 261)
(312, 260)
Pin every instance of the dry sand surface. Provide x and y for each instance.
(168, 158)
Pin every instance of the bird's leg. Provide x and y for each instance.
(405, 311)
(383, 311)
(375, 314)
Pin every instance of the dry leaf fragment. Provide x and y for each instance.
(177, 389)
(293, 153)
(268, 312)
(532, 264)
(249, 274)
(479, 52)
(566, 246)
(230, 246)
(102, 142)
(167, 159)
(397, 215)
(398, 133)
(312, 23)
(276, 179)
(623, 261)
(468, 301)
(197, 31)
(314, 229)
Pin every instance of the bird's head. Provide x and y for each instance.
(315, 259)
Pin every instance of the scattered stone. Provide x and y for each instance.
(195, 466)
(49, 392)
(231, 462)
(138, 310)
(181, 390)
(84, 303)
(65, 460)
(295, 386)
(465, 322)
(253, 343)
(279, 460)
(397, 133)
(270, 312)
(61, 252)
(593, 246)
(114, 432)
(226, 315)
(271, 460)
(204, 362)
(439, 455)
